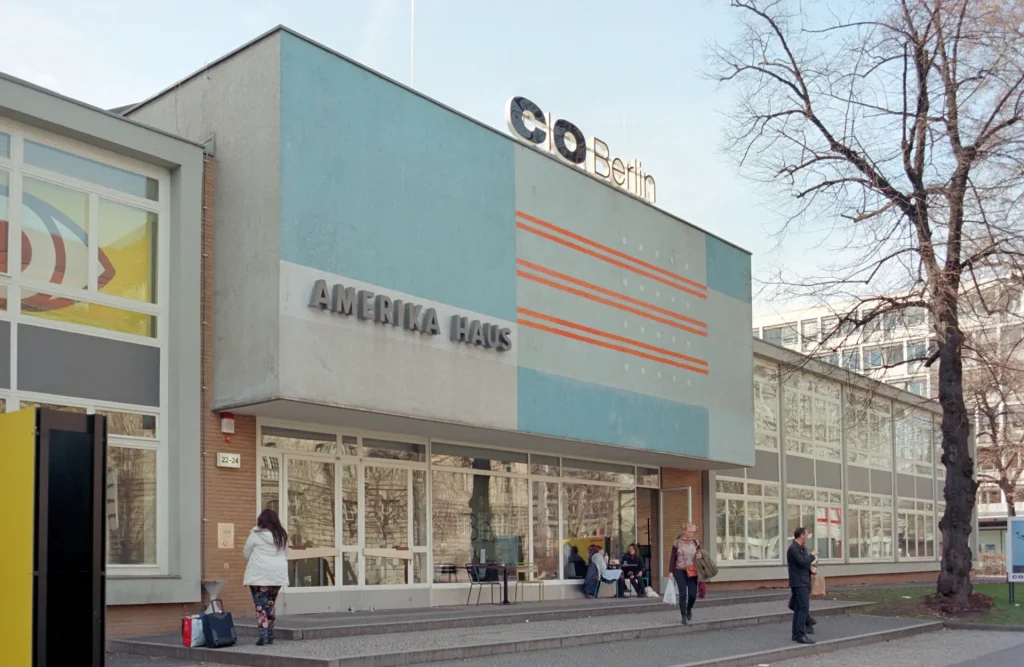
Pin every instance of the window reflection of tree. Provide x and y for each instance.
(132, 531)
(387, 521)
(311, 515)
(599, 511)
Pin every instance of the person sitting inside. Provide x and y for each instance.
(632, 571)
(575, 567)
(595, 571)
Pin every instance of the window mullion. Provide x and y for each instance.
(94, 244)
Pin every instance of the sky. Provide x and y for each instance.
(628, 73)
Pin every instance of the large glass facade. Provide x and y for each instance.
(370, 511)
(857, 469)
(83, 250)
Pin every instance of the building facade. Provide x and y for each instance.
(99, 313)
(427, 345)
(440, 346)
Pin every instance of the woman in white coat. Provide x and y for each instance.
(266, 572)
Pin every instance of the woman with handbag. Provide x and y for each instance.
(685, 552)
(266, 571)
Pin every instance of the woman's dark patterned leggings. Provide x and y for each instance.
(265, 599)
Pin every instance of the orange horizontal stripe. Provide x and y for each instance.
(608, 292)
(605, 258)
(605, 334)
(608, 302)
(610, 346)
(613, 251)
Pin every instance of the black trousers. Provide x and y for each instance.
(801, 604)
(621, 592)
(687, 591)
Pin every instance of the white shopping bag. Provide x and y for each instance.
(671, 593)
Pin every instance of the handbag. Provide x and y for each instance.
(691, 571)
(671, 593)
(702, 590)
(192, 631)
(218, 627)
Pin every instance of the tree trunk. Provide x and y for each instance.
(1011, 500)
(955, 574)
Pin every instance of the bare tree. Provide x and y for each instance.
(893, 128)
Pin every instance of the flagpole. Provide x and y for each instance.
(412, 44)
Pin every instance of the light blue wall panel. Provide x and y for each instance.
(728, 270)
(562, 407)
(384, 186)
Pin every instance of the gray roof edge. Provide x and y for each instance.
(295, 33)
(85, 105)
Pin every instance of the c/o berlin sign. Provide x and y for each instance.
(529, 124)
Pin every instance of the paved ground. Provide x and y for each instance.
(124, 660)
(410, 641)
(684, 649)
(949, 648)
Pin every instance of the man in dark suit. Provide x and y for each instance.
(799, 562)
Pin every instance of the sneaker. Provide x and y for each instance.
(804, 640)
(686, 621)
(689, 616)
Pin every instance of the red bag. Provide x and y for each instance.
(702, 589)
(192, 631)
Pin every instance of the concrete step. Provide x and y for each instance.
(469, 642)
(356, 624)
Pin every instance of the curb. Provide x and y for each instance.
(333, 631)
(455, 653)
(957, 625)
(828, 646)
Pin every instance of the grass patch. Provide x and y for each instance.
(914, 602)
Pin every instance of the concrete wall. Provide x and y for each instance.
(236, 103)
(43, 109)
(629, 326)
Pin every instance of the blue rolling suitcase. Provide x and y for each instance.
(218, 628)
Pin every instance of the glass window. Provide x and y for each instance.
(419, 508)
(270, 484)
(917, 353)
(55, 237)
(545, 534)
(868, 434)
(810, 331)
(387, 507)
(544, 465)
(913, 442)
(477, 519)
(851, 360)
(5, 145)
(131, 506)
(892, 355)
(85, 169)
(870, 527)
(783, 335)
(766, 407)
(350, 506)
(3, 405)
(597, 471)
(53, 406)
(915, 316)
(300, 441)
(600, 515)
(127, 252)
(396, 451)
(311, 522)
(812, 416)
(872, 357)
(129, 424)
(73, 311)
(648, 477)
(748, 528)
(477, 458)
(5, 182)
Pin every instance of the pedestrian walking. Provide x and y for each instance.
(682, 564)
(266, 571)
(799, 562)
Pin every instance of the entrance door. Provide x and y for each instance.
(676, 512)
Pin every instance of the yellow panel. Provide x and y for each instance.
(17, 497)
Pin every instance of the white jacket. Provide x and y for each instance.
(267, 565)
